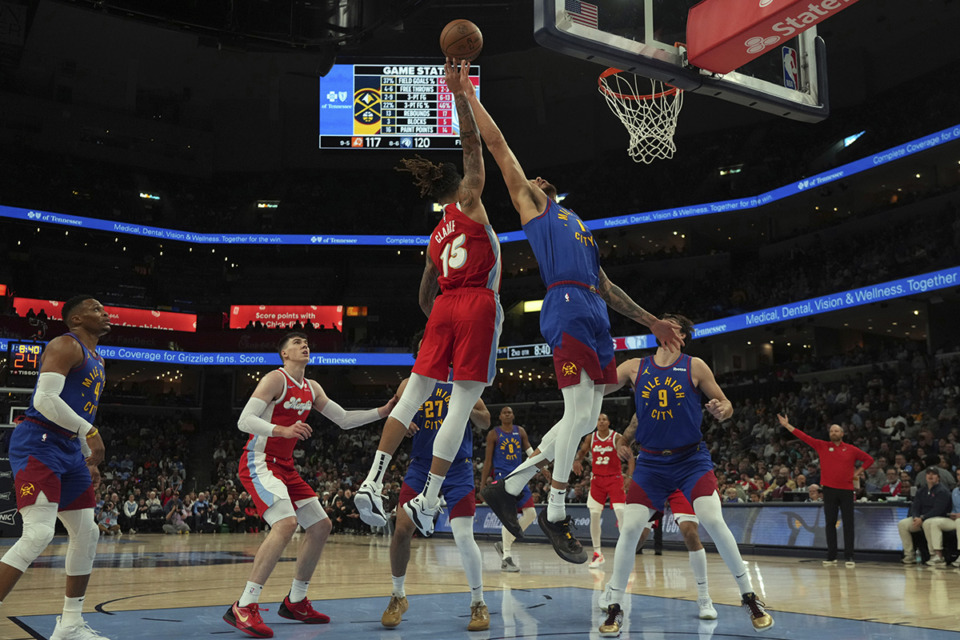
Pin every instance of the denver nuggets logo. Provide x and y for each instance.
(568, 369)
(26, 490)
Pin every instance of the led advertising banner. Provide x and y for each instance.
(273, 316)
(745, 203)
(119, 316)
(813, 306)
(791, 525)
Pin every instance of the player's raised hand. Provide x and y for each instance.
(718, 409)
(668, 333)
(457, 75)
(299, 430)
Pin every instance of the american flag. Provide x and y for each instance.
(582, 13)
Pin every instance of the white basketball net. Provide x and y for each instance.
(649, 113)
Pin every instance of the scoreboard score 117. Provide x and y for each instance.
(389, 106)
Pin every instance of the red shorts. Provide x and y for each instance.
(572, 356)
(463, 332)
(679, 504)
(269, 480)
(603, 487)
(465, 508)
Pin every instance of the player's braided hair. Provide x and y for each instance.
(433, 180)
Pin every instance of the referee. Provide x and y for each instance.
(837, 468)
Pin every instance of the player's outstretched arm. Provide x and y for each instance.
(471, 187)
(626, 374)
(617, 299)
(528, 202)
(348, 419)
(718, 406)
(429, 286)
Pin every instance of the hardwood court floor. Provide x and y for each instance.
(205, 573)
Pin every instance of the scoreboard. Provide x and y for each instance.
(389, 106)
(23, 363)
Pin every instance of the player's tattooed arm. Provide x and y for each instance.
(429, 286)
(623, 445)
(473, 171)
(617, 299)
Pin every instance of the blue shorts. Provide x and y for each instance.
(655, 477)
(575, 323)
(456, 486)
(46, 461)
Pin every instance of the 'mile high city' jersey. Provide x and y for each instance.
(669, 414)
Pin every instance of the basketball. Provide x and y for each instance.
(461, 39)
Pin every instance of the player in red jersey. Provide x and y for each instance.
(606, 479)
(274, 417)
(463, 327)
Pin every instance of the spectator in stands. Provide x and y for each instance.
(237, 519)
(174, 518)
(781, 484)
(128, 516)
(934, 528)
(108, 520)
(730, 495)
(931, 501)
(814, 494)
(892, 486)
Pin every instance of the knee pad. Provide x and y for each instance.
(84, 536)
(594, 507)
(35, 538)
(309, 512)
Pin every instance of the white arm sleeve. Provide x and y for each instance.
(349, 419)
(250, 420)
(48, 402)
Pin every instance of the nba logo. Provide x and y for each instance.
(791, 68)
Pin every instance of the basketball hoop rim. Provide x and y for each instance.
(612, 71)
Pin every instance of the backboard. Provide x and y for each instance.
(647, 38)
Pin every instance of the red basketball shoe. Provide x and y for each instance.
(302, 611)
(248, 620)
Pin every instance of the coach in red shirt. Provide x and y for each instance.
(837, 468)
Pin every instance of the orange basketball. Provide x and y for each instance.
(461, 39)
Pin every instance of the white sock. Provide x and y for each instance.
(398, 586)
(556, 505)
(476, 594)
(431, 490)
(298, 590)
(698, 562)
(595, 530)
(507, 538)
(381, 462)
(251, 594)
(72, 612)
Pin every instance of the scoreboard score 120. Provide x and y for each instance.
(389, 106)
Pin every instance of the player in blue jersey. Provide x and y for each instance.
(54, 453)
(457, 490)
(506, 445)
(575, 324)
(668, 388)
